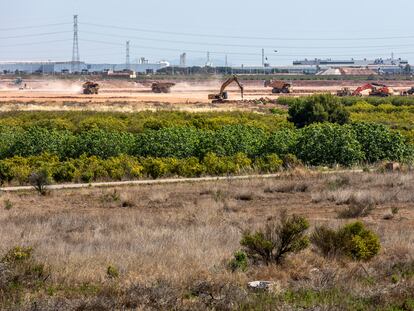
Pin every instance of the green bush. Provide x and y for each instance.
(270, 163)
(231, 140)
(239, 262)
(379, 143)
(20, 275)
(353, 241)
(277, 239)
(317, 109)
(37, 140)
(328, 144)
(282, 142)
(103, 144)
(179, 142)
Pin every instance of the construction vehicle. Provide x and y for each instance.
(90, 88)
(278, 86)
(408, 92)
(162, 87)
(373, 89)
(223, 95)
(345, 91)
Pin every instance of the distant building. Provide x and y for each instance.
(377, 66)
(50, 67)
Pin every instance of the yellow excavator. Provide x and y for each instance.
(223, 95)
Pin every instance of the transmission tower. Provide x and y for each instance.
(127, 60)
(75, 50)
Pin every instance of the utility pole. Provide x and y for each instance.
(75, 51)
(263, 58)
(127, 59)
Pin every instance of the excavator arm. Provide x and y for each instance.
(223, 95)
(230, 81)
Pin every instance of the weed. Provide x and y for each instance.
(239, 262)
(8, 205)
(356, 210)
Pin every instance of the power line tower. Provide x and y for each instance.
(127, 60)
(75, 50)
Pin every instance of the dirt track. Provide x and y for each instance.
(128, 96)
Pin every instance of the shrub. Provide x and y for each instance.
(39, 181)
(231, 140)
(103, 144)
(282, 142)
(276, 239)
(353, 241)
(270, 163)
(328, 144)
(5, 173)
(156, 167)
(112, 272)
(190, 167)
(356, 210)
(379, 143)
(179, 142)
(37, 140)
(20, 273)
(239, 262)
(317, 109)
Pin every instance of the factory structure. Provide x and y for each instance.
(313, 67)
(51, 67)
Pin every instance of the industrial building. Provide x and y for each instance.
(376, 66)
(49, 67)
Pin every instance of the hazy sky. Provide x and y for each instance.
(42, 29)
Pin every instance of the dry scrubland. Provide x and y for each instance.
(171, 245)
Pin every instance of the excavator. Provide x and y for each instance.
(223, 95)
(373, 89)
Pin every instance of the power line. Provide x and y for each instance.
(170, 49)
(35, 26)
(250, 46)
(34, 43)
(248, 37)
(35, 35)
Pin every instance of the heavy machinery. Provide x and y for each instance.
(278, 86)
(162, 87)
(90, 88)
(223, 95)
(345, 91)
(408, 92)
(373, 89)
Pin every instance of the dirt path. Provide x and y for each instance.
(164, 181)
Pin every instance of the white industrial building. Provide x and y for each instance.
(49, 67)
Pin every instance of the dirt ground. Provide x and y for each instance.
(126, 96)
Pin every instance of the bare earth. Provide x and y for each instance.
(125, 96)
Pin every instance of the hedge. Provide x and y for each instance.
(88, 169)
(318, 144)
(352, 100)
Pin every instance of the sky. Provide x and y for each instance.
(162, 30)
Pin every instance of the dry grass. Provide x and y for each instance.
(166, 239)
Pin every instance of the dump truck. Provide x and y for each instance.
(278, 86)
(162, 87)
(222, 96)
(345, 91)
(90, 88)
